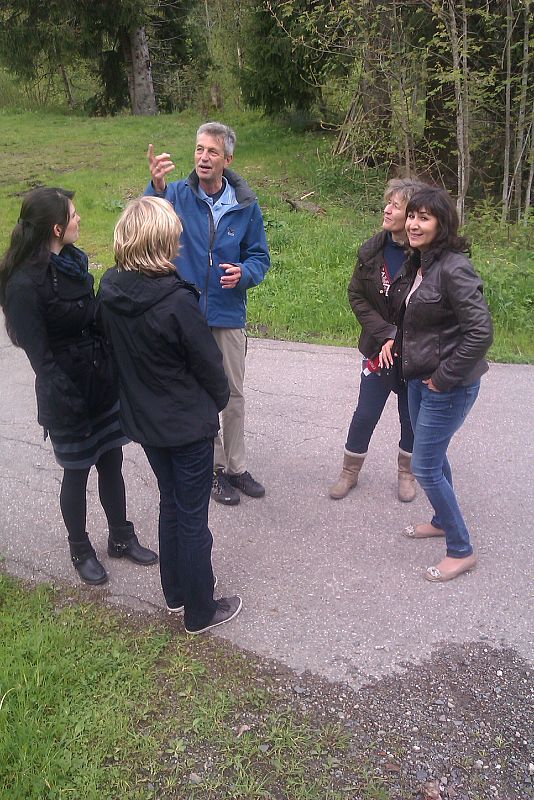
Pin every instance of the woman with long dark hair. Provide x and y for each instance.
(445, 331)
(46, 292)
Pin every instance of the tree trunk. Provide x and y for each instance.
(343, 138)
(399, 74)
(460, 67)
(521, 119)
(435, 154)
(505, 196)
(528, 190)
(375, 83)
(466, 109)
(366, 130)
(139, 70)
(66, 85)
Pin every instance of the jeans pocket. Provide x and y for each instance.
(471, 394)
(440, 400)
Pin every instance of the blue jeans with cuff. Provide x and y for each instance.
(436, 416)
(185, 476)
(375, 388)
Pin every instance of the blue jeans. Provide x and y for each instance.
(374, 391)
(185, 476)
(436, 416)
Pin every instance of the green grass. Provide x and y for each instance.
(304, 297)
(99, 705)
(71, 683)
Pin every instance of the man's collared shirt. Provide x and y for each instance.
(223, 204)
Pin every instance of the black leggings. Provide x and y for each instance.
(73, 495)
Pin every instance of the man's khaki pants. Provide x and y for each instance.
(230, 443)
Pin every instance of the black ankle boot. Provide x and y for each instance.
(123, 543)
(86, 563)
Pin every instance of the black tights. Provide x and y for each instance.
(73, 495)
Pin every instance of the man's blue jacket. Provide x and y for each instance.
(238, 239)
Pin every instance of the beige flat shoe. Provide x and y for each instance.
(446, 572)
(422, 531)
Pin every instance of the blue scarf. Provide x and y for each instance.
(71, 262)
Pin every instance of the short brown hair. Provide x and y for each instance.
(146, 236)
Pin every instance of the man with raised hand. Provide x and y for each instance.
(223, 250)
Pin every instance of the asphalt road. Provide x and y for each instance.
(328, 586)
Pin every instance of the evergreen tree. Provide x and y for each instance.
(278, 71)
(111, 36)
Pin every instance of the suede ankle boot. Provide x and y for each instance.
(406, 486)
(352, 464)
(123, 543)
(86, 563)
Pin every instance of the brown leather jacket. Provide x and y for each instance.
(368, 299)
(446, 329)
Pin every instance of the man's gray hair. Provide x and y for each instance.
(220, 131)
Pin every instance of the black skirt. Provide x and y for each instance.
(75, 451)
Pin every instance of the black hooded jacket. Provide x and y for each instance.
(172, 381)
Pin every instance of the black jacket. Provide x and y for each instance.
(52, 317)
(171, 376)
(446, 327)
(367, 297)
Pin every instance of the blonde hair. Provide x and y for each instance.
(403, 186)
(146, 236)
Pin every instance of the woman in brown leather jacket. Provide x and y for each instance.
(377, 270)
(445, 331)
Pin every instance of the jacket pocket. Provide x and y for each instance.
(427, 310)
(59, 403)
(91, 368)
(428, 294)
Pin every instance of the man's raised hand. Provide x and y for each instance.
(160, 166)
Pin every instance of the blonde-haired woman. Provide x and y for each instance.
(377, 270)
(172, 387)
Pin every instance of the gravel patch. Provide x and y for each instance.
(459, 726)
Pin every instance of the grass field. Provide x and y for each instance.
(100, 705)
(304, 296)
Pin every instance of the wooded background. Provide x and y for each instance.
(439, 89)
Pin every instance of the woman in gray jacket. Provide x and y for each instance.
(445, 331)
